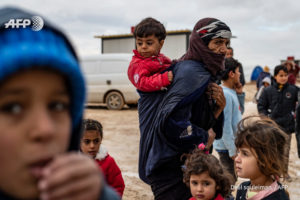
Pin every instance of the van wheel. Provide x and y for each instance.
(114, 101)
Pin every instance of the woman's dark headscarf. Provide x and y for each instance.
(204, 31)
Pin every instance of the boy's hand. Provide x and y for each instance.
(239, 88)
(70, 176)
(170, 76)
(211, 138)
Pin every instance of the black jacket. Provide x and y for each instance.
(280, 194)
(279, 105)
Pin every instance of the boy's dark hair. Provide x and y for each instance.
(198, 162)
(92, 125)
(278, 68)
(150, 26)
(268, 141)
(230, 65)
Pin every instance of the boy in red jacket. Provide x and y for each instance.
(90, 145)
(147, 63)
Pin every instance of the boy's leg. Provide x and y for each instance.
(298, 142)
(287, 154)
(228, 164)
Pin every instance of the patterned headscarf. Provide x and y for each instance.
(215, 29)
(205, 30)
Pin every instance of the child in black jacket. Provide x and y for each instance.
(279, 102)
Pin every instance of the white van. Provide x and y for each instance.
(107, 81)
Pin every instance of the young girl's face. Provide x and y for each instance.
(90, 143)
(281, 77)
(246, 164)
(35, 126)
(203, 187)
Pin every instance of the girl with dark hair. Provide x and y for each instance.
(205, 177)
(260, 157)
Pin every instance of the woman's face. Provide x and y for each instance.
(35, 126)
(219, 45)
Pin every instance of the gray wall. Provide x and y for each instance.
(174, 47)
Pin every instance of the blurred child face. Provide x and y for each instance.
(266, 84)
(90, 143)
(229, 53)
(219, 45)
(35, 126)
(281, 77)
(148, 46)
(246, 164)
(202, 186)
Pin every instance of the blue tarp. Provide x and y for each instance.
(255, 73)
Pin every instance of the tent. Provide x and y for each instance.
(255, 73)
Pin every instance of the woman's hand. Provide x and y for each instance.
(70, 176)
(216, 92)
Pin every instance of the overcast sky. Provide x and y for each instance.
(267, 30)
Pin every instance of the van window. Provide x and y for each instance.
(113, 66)
(90, 67)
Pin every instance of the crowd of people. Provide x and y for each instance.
(256, 148)
(50, 152)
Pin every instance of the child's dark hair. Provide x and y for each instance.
(230, 65)
(278, 68)
(150, 26)
(198, 162)
(268, 141)
(230, 48)
(92, 125)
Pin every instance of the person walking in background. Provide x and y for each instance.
(229, 54)
(205, 177)
(292, 71)
(41, 107)
(261, 76)
(232, 115)
(266, 83)
(279, 103)
(297, 129)
(91, 145)
(146, 65)
(261, 158)
(239, 86)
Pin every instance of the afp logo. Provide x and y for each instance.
(36, 23)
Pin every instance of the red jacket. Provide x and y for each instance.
(111, 171)
(219, 197)
(144, 73)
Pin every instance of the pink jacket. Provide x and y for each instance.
(144, 73)
(219, 197)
